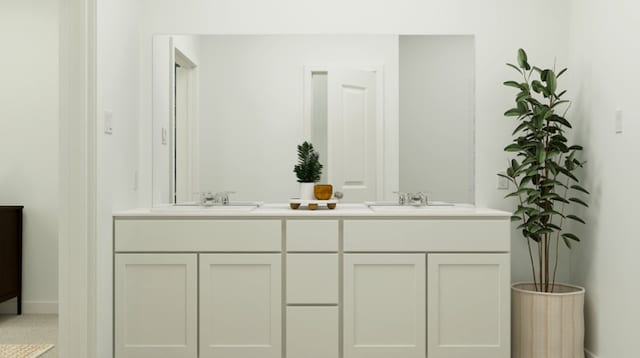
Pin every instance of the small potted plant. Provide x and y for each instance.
(547, 316)
(308, 170)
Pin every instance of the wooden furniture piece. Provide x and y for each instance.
(11, 254)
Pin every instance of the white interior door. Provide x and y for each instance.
(352, 133)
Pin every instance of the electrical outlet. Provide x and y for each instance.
(503, 183)
(108, 122)
(618, 121)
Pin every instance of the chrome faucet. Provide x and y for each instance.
(416, 199)
(220, 198)
(402, 197)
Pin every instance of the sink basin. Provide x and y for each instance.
(394, 207)
(232, 207)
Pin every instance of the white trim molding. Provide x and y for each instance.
(76, 327)
(30, 307)
(588, 354)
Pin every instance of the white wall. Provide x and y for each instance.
(604, 67)
(29, 142)
(118, 74)
(437, 117)
(252, 94)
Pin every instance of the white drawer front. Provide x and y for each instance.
(312, 278)
(312, 235)
(198, 235)
(427, 235)
(312, 332)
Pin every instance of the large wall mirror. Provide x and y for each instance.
(386, 112)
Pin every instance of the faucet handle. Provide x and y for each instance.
(207, 198)
(223, 197)
(419, 198)
(402, 197)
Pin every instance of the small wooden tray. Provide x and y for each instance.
(312, 204)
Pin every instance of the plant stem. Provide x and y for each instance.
(555, 269)
(533, 267)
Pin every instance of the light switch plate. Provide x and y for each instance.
(108, 122)
(618, 121)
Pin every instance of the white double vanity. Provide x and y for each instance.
(274, 282)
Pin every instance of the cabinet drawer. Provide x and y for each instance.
(312, 235)
(198, 235)
(312, 278)
(486, 235)
(312, 332)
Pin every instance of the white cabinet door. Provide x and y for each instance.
(468, 306)
(240, 306)
(384, 305)
(155, 306)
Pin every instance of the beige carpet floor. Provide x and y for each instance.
(30, 328)
(23, 350)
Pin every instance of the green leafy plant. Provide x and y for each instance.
(308, 169)
(544, 170)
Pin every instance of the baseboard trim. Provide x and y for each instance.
(30, 307)
(588, 354)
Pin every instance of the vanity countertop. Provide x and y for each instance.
(342, 210)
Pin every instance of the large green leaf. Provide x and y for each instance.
(575, 218)
(515, 68)
(513, 112)
(513, 148)
(522, 60)
(520, 127)
(537, 86)
(552, 83)
(512, 84)
(579, 188)
(579, 201)
(570, 236)
(560, 102)
(558, 119)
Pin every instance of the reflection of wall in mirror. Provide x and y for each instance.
(251, 107)
(437, 116)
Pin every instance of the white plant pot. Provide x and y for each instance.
(306, 191)
(547, 325)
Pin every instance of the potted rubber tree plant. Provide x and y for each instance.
(308, 170)
(547, 316)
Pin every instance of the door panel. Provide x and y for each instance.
(240, 305)
(384, 306)
(352, 133)
(468, 305)
(155, 306)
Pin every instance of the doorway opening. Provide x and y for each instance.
(184, 129)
